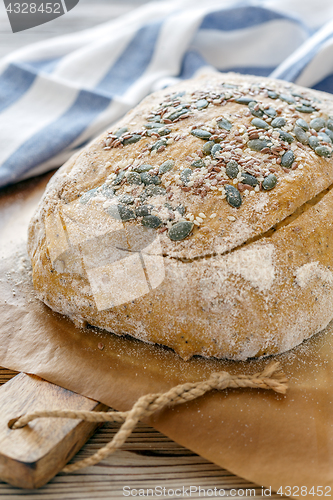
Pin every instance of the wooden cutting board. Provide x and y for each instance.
(31, 456)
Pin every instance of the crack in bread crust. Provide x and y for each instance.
(267, 234)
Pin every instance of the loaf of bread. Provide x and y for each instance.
(202, 221)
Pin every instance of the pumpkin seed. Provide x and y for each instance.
(202, 104)
(230, 86)
(303, 124)
(225, 124)
(134, 178)
(317, 124)
(215, 149)
(208, 147)
(278, 122)
(305, 109)
(151, 125)
(88, 195)
(201, 134)
(156, 119)
(258, 144)
(120, 212)
(198, 164)
(285, 136)
(269, 182)
(143, 168)
(180, 209)
(106, 191)
(272, 94)
(255, 112)
(164, 131)
(323, 151)
(185, 175)
(306, 102)
(178, 94)
(132, 140)
(301, 135)
(233, 196)
(325, 137)
(126, 199)
(287, 159)
(143, 210)
(329, 133)
(166, 166)
(150, 179)
(180, 230)
(245, 100)
(256, 122)
(121, 131)
(158, 144)
(296, 94)
(152, 190)
(270, 112)
(248, 179)
(151, 221)
(330, 124)
(176, 114)
(314, 142)
(232, 169)
(287, 98)
(119, 178)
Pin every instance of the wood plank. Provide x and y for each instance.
(6, 375)
(148, 459)
(31, 456)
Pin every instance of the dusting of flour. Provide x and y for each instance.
(254, 264)
(313, 270)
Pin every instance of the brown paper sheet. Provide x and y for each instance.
(269, 439)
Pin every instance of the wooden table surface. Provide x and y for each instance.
(149, 458)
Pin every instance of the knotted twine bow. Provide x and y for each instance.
(270, 378)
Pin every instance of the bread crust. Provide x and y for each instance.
(251, 281)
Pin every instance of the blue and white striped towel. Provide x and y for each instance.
(57, 95)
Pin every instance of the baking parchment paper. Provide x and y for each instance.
(273, 440)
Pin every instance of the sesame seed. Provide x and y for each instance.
(203, 216)
(231, 218)
(212, 216)
(199, 219)
(196, 223)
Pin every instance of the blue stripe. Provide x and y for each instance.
(44, 66)
(293, 72)
(55, 137)
(132, 63)
(192, 61)
(15, 81)
(239, 18)
(326, 85)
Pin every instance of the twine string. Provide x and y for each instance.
(270, 378)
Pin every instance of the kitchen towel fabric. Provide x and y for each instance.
(57, 95)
